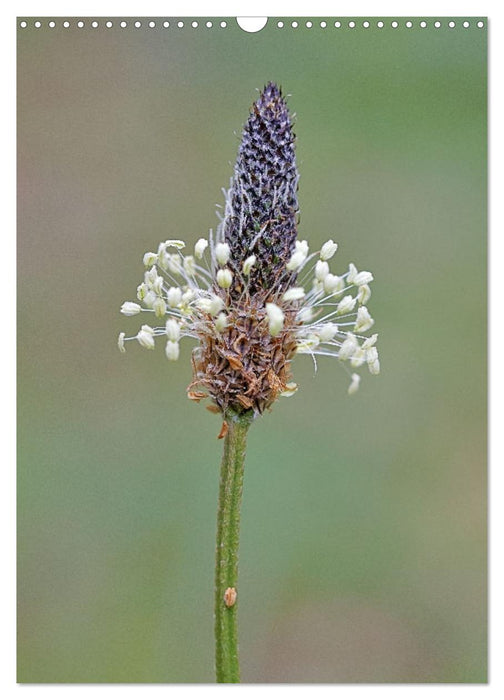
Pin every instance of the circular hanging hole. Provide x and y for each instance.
(409, 24)
(223, 25)
(38, 25)
(109, 24)
(23, 24)
(252, 24)
(294, 25)
(194, 25)
(280, 25)
(52, 24)
(379, 25)
(138, 25)
(309, 25)
(465, 25)
(395, 24)
(94, 24)
(152, 24)
(180, 25)
(481, 25)
(166, 24)
(351, 25)
(437, 24)
(209, 24)
(337, 25)
(423, 24)
(365, 24)
(66, 24)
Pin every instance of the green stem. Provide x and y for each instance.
(228, 538)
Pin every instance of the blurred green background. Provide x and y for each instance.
(363, 553)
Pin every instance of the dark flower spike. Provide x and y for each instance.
(262, 207)
(240, 294)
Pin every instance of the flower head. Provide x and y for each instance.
(253, 296)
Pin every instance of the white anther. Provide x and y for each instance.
(346, 304)
(275, 318)
(224, 278)
(172, 330)
(130, 308)
(363, 321)
(172, 350)
(174, 297)
(222, 253)
(145, 337)
(248, 265)
(354, 384)
(293, 294)
(200, 247)
(328, 250)
(321, 270)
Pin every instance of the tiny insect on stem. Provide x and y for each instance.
(230, 597)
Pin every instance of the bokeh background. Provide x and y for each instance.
(363, 552)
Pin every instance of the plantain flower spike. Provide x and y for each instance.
(252, 296)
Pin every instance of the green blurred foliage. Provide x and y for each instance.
(363, 555)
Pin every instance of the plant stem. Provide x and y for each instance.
(228, 538)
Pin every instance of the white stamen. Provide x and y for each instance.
(363, 277)
(321, 270)
(346, 304)
(358, 358)
(296, 260)
(307, 345)
(150, 259)
(293, 294)
(211, 305)
(369, 342)
(200, 247)
(159, 307)
(174, 263)
(150, 298)
(364, 294)
(222, 253)
(221, 322)
(352, 273)
(275, 318)
(141, 291)
(175, 243)
(145, 337)
(224, 278)
(248, 264)
(174, 297)
(364, 321)
(328, 250)
(305, 315)
(348, 347)
(150, 276)
(189, 265)
(302, 247)
(290, 389)
(130, 308)
(372, 360)
(327, 332)
(172, 330)
(354, 384)
(157, 285)
(172, 350)
(333, 283)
